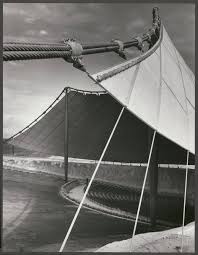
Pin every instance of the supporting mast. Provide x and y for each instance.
(13, 150)
(184, 204)
(90, 182)
(153, 179)
(66, 135)
(142, 191)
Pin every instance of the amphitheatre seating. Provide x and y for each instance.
(126, 199)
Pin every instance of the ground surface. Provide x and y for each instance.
(36, 218)
(166, 241)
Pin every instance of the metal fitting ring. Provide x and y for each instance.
(119, 43)
(76, 47)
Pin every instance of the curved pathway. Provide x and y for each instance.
(40, 218)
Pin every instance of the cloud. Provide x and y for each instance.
(29, 20)
(26, 106)
(43, 32)
(31, 32)
(133, 26)
(30, 86)
(9, 10)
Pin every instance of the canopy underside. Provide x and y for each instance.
(157, 91)
(91, 119)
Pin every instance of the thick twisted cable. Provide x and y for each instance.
(21, 47)
(88, 49)
(9, 56)
(29, 45)
(61, 47)
(27, 51)
(34, 43)
(15, 46)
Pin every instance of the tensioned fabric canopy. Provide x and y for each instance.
(157, 88)
(91, 118)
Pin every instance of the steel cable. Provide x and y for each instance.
(9, 56)
(87, 49)
(51, 105)
(62, 47)
(34, 121)
(35, 48)
(26, 51)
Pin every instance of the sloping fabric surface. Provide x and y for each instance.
(91, 119)
(160, 90)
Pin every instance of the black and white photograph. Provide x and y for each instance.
(98, 127)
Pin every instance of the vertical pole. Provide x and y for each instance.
(142, 191)
(13, 150)
(90, 182)
(153, 180)
(184, 204)
(66, 135)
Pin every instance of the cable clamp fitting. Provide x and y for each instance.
(120, 50)
(156, 26)
(140, 43)
(152, 31)
(150, 40)
(76, 56)
(67, 90)
(149, 37)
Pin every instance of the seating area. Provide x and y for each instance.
(126, 199)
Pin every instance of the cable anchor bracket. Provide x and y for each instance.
(140, 44)
(76, 56)
(149, 40)
(120, 50)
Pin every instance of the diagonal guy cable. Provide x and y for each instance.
(90, 182)
(142, 192)
(184, 205)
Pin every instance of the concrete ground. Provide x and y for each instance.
(36, 217)
(165, 241)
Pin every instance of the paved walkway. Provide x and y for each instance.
(15, 209)
(36, 218)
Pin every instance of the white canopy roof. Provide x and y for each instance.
(159, 88)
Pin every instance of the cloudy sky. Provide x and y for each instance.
(30, 86)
